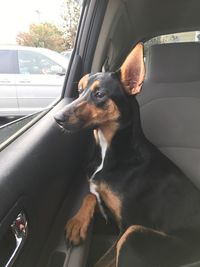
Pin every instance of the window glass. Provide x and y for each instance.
(36, 63)
(8, 62)
(36, 43)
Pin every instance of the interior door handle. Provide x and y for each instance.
(19, 229)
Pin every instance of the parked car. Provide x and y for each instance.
(30, 79)
(67, 53)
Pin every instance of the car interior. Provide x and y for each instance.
(42, 177)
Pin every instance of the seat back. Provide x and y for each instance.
(170, 104)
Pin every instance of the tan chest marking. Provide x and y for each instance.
(112, 200)
(96, 137)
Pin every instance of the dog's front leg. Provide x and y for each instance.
(77, 227)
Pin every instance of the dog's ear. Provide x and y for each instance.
(132, 70)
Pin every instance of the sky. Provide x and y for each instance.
(17, 15)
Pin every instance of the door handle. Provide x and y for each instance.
(5, 81)
(24, 81)
(19, 229)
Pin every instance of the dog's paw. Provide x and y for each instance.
(76, 230)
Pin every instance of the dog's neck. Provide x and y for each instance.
(130, 126)
(134, 121)
(128, 140)
(109, 130)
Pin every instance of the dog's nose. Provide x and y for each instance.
(59, 118)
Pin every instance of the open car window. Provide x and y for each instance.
(34, 58)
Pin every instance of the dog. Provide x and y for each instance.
(156, 207)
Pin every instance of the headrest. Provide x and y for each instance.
(176, 62)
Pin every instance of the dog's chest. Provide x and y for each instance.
(103, 145)
(103, 190)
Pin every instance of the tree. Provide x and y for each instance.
(70, 15)
(49, 35)
(43, 35)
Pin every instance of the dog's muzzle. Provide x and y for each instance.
(69, 121)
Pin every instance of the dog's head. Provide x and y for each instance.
(103, 97)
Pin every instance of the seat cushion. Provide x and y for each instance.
(170, 104)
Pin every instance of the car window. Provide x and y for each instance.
(8, 62)
(36, 63)
(35, 50)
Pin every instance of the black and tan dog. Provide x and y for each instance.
(155, 205)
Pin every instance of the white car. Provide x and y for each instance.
(30, 79)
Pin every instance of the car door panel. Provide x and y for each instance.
(56, 252)
(13, 236)
(38, 167)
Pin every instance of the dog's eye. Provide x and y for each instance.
(99, 94)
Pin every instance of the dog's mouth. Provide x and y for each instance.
(67, 126)
(66, 129)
